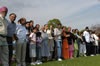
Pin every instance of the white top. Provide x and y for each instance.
(92, 38)
(33, 38)
(96, 38)
(3, 25)
(87, 36)
(49, 33)
(57, 33)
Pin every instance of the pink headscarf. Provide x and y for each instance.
(3, 9)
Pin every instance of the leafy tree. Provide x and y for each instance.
(54, 22)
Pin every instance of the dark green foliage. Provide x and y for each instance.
(54, 22)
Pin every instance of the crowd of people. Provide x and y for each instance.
(28, 44)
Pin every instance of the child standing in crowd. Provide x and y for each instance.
(31, 25)
(82, 45)
(38, 45)
(38, 27)
(33, 46)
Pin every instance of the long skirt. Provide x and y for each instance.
(65, 49)
(51, 44)
(75, 48)
(45, 48)
(51, 48)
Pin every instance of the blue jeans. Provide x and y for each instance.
(59, 49)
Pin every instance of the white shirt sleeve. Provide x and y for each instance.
(31, 35)
(96, 37)
(83, 33)
(48, 31)
(55, 31)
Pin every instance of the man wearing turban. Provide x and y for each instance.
(4, 52)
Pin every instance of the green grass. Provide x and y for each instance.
(83, 61)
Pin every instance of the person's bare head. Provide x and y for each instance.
(12, 17)
(37, 26)
(31, 23)
(23, 21)
(51, 27)
(69, 29)
(59, 26)
(87, 28)
(46, 26)
(64, 28)
(42, 28)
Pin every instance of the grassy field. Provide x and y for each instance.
(83, 61)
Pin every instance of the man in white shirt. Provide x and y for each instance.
(86, 35)
(57, 34)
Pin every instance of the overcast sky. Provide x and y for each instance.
(74, 13)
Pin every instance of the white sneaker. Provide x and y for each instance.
(85, 56)
(59, 59)
(92, 55)
(33, 63)
(38, 63)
